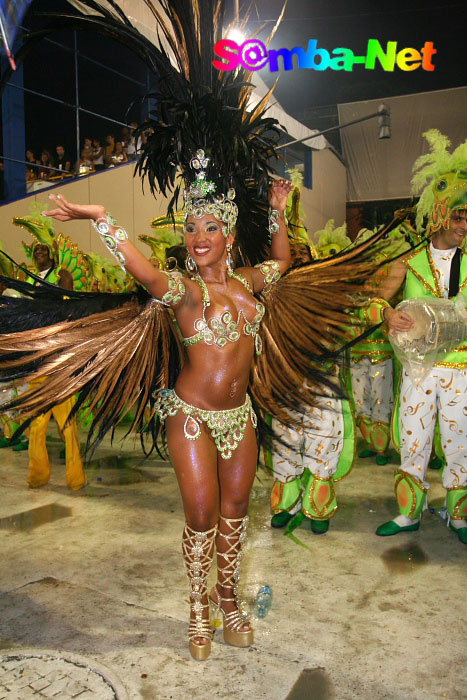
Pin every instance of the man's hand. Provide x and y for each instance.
(65, 279)
(398, 321)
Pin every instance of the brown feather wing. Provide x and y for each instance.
(310, 314)
(116, 360)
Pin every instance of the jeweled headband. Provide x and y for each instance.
(200, 199)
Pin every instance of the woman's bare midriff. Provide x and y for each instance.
(216, 378)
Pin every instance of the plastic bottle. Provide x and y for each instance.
(263, 601)
(441, 512)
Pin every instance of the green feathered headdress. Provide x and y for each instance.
(332, 239)
(168, 232)
(443, 178)
(41, 229)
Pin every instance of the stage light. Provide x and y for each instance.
(384, 122)
(237, 36)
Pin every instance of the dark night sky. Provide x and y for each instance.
(333, 23)
(350, 24)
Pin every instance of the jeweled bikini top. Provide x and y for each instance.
(222, 329)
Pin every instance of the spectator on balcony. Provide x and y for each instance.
(134, 144)
(63, 161)
(32, 169)
(125, 138)
(85, 162)
(97, 155)
(119, 156)
(46, 163)
(109, 148)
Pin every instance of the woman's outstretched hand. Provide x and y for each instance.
(66, 211)
(279, 193)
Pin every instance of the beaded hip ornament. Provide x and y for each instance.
(227, 427)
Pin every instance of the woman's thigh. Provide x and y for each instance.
(236, 475)
(195, 464)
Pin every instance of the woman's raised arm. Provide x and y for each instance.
(155, 281)
(280, 246)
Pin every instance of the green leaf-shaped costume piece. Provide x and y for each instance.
(168, 232)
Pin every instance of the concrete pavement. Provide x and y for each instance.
(94, 580)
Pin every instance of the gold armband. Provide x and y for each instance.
(271, 272)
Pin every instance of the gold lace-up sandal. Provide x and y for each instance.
(198, 549)
(231, 538)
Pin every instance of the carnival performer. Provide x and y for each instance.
(306, 460)
(121, 351)
(39, 462)
(216, 463)
(371, 362)
(437, 268)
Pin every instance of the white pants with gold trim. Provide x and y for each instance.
(316, 445)
(443, 391)
(372, 389)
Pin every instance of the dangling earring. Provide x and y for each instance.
(170, 264)
(229, 259)
(190, 264)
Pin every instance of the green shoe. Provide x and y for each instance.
(281, 519)
(382, 460)
(21, 445)
(461, 532)
(5, 442)
(366, 453)
(319, 527)
(392, 528)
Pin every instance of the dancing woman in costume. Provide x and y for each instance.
(215, 461)
(245, 327)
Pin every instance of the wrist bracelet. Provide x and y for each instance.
(373, 311)
(111, 240)
(273, 218)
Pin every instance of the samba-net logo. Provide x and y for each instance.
(253, 55)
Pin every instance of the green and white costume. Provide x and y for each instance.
(442, 393)
(321, 452)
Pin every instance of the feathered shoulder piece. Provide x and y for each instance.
(441, 178)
